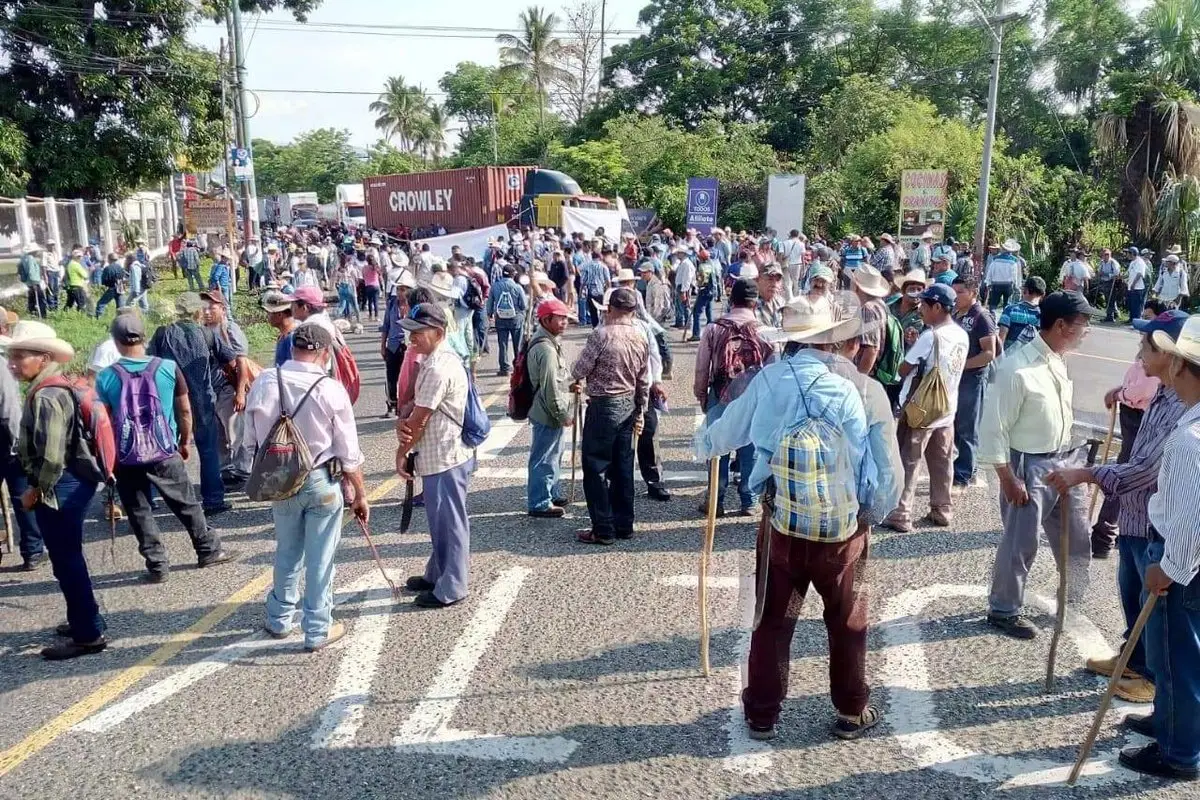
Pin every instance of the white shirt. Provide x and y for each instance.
(305, 277)
(424, 268)
(1171, 284)
(104, 356)
(1003, 269)
(1172, 508)
(793, 251)
(441, 386)
(685, 275)
(1138, 269)
(952, 356)
(326, 420)
(1073, 274)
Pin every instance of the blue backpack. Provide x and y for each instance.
(143, 436)
(476, 426)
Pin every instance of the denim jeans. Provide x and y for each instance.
(194, 275)
(1131, 587)
(480, 324)
(1173, 656)
(1135, 300)
(545, 464)
(966, 423)
(746, 459)
(208, 450)
(35, 300)
(507, 331)
(109, 296)
(63, 530)
(135, 486)
(682, 310)
(308, 527)
(348, 302)
(608, 464)
(999, 295)
(371, 298)
(53, 281)
(27, 525)
(449, 564)
(704, 302)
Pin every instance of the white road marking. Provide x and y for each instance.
(427, 729)
(914, 719)
(179, 680)
(343, 716)
(503, 431)
(714, 582)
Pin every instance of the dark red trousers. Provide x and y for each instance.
(792, 566)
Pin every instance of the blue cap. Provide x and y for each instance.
(939, 293)
(1169, 322)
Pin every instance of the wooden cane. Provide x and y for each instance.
(6, 509)
(710, 527)
(1108, 440)
(575, 446)
(1060, 618)
(1126, 652)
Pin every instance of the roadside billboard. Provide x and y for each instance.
(207, 215)
(702, 199)
(923, 195)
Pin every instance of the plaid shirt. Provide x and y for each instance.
(48, 441)
(594, 279)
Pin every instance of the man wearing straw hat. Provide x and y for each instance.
(62, 477)
(1173, 630)
(788, 405)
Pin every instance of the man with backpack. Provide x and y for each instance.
(308, 520)
(551, 410)
(708, 290)
(115, 281)
(64, 472)
(730, 353)
(506, 305)
(152, 446)
(141, 278)
(870, 287)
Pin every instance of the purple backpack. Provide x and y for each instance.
(143, 435)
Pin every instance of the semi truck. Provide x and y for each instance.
(351, 207)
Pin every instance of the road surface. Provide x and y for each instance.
(570, 671)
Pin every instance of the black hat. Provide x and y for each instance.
(311, 337)
(1064, 305)
(128, 329)
(744, 290)
(623, 299)
(1035, 285)
(424, 315)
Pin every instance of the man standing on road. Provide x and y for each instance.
(552, 410)
(615, 363)
(982, 348)
(594, 280)
(1130, 484)
(279, 316)
(393, 345)
(33, 550)
(870, 287)
(152, 446)
(1173, 631)
(235, 460)
(308, 525)
(1172, 286)
(506, 305)
(1025, 434)
(434, 432)
(770, 280)
(1019, 323)
(1108, 275)
(947, 344)
(1003, 275)
(684, 281)
(791, 252)
(1136, 282)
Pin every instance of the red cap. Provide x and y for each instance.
(703, 255)
(310, 295)
(552, 308)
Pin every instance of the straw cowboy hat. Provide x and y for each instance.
(32, 247)
(927, 235)
(1174, 250)
(1187, 346)
(543, 279)
(37, 337)
(886, 237)
(912, 276)
(802, 319)
(1011, 246)
(441, 284)
(846, 310)
(625, 275)
(870, 281)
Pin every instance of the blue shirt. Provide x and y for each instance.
(1022, 320)
(507, 286)
(771, 405)
(390, 327)
(594, 279)
(854, 257)
(108, 385)
(219, 278)
(283, 348)
(946, 277)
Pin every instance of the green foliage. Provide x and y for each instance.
(317, 160)
(476, 94)
(386, 159)
(13, 175)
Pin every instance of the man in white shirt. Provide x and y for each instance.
(1137, 282)
(945, 340)
(425, 265)
(308, 525)
(1172, 287)
(1076, 273)
(1003, 276)
(1108, 275)
(791, 252)
(685, 282)
(1172, 636)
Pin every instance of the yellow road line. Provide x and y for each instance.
(38, 740)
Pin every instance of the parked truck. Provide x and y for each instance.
(351, 207)
(454, 199)
(292, 208)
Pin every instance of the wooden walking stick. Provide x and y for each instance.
(710, 527)
(1086, 748)
(1060, 618)
(6, 509)
(578, 412)
(1108, 440)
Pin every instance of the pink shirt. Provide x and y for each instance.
(370, 275)
(1138, 388)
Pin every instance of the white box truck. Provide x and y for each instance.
(351, 209)
(292, 208)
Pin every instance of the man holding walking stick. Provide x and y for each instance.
(1173, 630)
(1026, 434)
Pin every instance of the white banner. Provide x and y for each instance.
(587, 220)
(473, 243)
(785, 203)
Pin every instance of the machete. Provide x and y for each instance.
(406, 510)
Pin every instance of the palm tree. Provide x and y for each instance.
(535, 54)
(402, 111)
(433, 139)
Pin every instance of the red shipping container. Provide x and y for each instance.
(457, 199)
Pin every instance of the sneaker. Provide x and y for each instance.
(220, 557)
(760, 734)
(939, 518)
(336, 631)
(274, 634)
(854, 727)
(417, 583)
(1106, 666)
(63, 652)
(430, 600)
(1148, 760)
(1140, 723)
(1135, 690)
(1015, 626)
(656, 491)
(34, 562)
(553, 512)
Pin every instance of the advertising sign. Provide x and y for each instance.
(923, 203)
(206, 215)
(243, 168)
(702, 204)
(785, 204)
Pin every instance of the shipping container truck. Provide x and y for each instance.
(351, 208)
(455, 199)
(292, 208)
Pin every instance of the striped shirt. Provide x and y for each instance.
(1173, 506)
(594, 279)
(1134, 481)
(48, 440)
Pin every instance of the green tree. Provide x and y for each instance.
(384, 158)
(470, 90)
(13, 176)
(535, 55)
(316, 161)
(402, 112)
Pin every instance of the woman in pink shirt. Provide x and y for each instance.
(370, 278)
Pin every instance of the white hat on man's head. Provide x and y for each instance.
(1187, 346)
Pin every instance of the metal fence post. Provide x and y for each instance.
(24, 229)
(81, 222)
(52, 223)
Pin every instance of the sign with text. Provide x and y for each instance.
(206, 215)
(702, 204)
(923, 195)
(243, 167)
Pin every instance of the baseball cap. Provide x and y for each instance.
(771, 269)
(213, 297)
(1169, 322)
(310, 295)
(744, 290)
(275, 301)
(552, 308)
(128, 329)
(939, 293)
(311, 337)
(1036, 285)
(424, 315)
(623, 300)
(1061, 305)
(188, 303)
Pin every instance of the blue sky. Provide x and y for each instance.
(285, 55)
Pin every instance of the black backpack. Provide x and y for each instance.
(473, 297)
(149, 276)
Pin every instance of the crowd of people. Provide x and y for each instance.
(827, 375)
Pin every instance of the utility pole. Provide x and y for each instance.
(495, 124)
(242, 131)
(995, 27)
(225, 156)
(600, 63)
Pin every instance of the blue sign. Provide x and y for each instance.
(702, 204)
